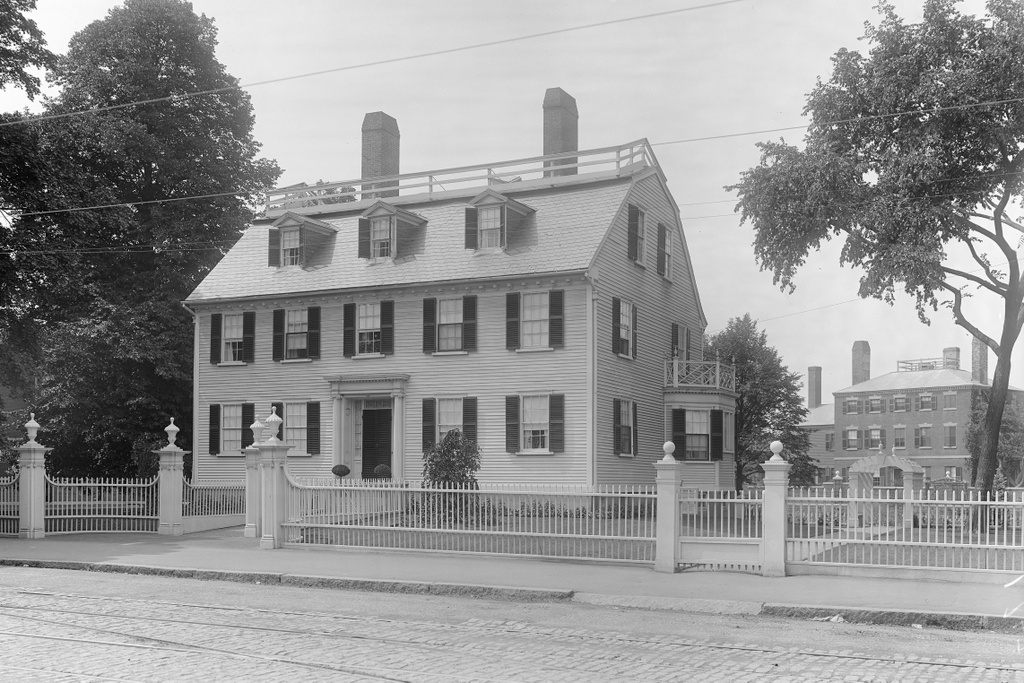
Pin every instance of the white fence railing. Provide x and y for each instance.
(82, 505)
(720, 529)
(607, 522)
(9, 506)
(685, 373)
(213, 498)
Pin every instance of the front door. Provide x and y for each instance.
(376, 440)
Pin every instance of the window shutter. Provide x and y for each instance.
(348, 335)
(717, 420)
(679, 432)
(917, 403)
(248, 417)
(429, 422)
(882, 406)
(280, 425)
(387, 327)
(471, 228)
(313, 332)
(302, 246)
(860, 438)
(635, 314)
(673, 344)
(511, 424)
(633, 227)
(616, 312)
(636, 430)
(278, 345)
(249, 337)
(892, 405)
(429, 325)
(469, 418)
(556, 318)
(512, 320)
(274, 250)
(686, 343)
(469, 322)
(502, 227)
(313, 427)
(661, 249)
(214, 428)
(364, 238)
(616, 426)
(846, 441)
(216, 321)
(556, 422)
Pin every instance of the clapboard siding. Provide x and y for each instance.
(490, 373)
(661, 302)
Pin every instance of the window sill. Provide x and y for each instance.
(640, 264)
(701, 460)
(950, 448)
(230, 454)
(622, 355)
(450, 353)
(900, 448)
(364, 356)
(625, 455)
(535, 349)
(537, 452)
(380, 259)
(231, 363)
(481, 251)
(924, 448)
(296, 360)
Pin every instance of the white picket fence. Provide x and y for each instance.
(106, 504)
(212, 505)
(9, 502)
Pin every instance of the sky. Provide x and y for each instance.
(637, 70)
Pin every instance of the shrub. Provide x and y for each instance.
(382, 471)
(340, 471)
(452, 462)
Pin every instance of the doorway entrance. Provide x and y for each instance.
(376, 440)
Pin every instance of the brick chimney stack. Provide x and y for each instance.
(979, 361)
(561, 129)
(380, 151)
(813, 387)
(861, 361)
(951, 357)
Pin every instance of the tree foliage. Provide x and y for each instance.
(451, 462)
(93, 294)
(769, 406)
(22, 47)
(1010, 454)
(913, 148)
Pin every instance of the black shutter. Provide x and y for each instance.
(686, 343)
(429, 422)
(302, 245)
(364, 238)
(860, 438)
(635, 313)
(387, 326)
(469, 322)
(249, 336)
(313, 332)
(511, 424)
(556, 318)
(679, 432)
(556, 422)
(274, 250)
(717, 434)
(661, 249)
(348, 336)
(469, 418)
(633, 228)
(280, 425)
(616, 426)
(313, 428)
(616, 313)
(278, 345)
(214, 428)
(248, 417)
(673, 344)
(636, 430)
(429, 325)
(471, 228)
(216, 321)
(512, 320)
(501, 229)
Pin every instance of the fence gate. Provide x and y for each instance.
(83, 505)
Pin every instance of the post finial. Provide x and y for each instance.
(257, 429)
(273, 423)
(669, 449)
(172, 432)
(776, 449)
(32, 427)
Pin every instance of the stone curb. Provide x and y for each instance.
(647, 602)
(945, 620)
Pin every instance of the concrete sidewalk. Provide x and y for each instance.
(227, 555)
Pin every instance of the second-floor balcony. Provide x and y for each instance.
(700, 374)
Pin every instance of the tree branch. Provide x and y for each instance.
(981, 262)
(998, 290)
(1004, 246)
(958, 317)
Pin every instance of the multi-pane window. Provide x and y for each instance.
(727, 428)
(829, 441)
(233, 346)
(875, 405)
(291, 247)
(851, 406)
(927, 402)
(368, 320)
(490, 227)
(875, 438)
(536, 423)
(900, 404)
(231, 428)
(949, 434)
(698, 435)
(641, 234)
(949, 401)
(449, 325)
(296, 329)
(899, 437)
(625, 427)
(625, 328)
(449, 416)
(851, 439)
(295, 426)
(668, 255)
(535, 320)
(380, 237)
(923, 437)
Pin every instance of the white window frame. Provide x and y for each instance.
(296, 326)
(697, 447)
(447, 408)
(534, 320)
(870, 404)
(489, 227)
(368, 336)
(853, 401)
(897, 440)
(232, 334)
(668, 253)
(830, 442)
(854, 438)
(450, 325)
(728, 427)
(923, 433)
(291, 247)
(535, 431)
(626, 329)
(295, 434)
(230, 426)
(626, 428)
(946, 396)
(896, 405)
(931, 401)
(945, 435)
(873, 442)
(378, 242)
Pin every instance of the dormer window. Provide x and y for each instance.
(297, 240)
(492, 227)
(379, 228)
(490, 219)
(382, 238)
(291, 247)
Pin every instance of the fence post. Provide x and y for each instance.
(776, 485)
(171, 484)
(273, 460)
(32, 484)
(253, 490)
(667, 528)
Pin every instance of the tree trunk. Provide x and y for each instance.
(988, 462)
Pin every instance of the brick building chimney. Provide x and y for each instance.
(561, 129)
(813, 387)
(951, 357)
(380, 151)
(979, 361)
(861, 361)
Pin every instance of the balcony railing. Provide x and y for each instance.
(610, 161)
(687, 373)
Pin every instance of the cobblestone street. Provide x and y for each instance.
(82, 633)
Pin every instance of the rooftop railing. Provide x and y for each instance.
(322, 197)
(927, 364)
(688, 373)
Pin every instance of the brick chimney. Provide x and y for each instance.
(861, 362)
(380, 151)
(951, 357)
(561, 129)
(813, 387)
(979, 361)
